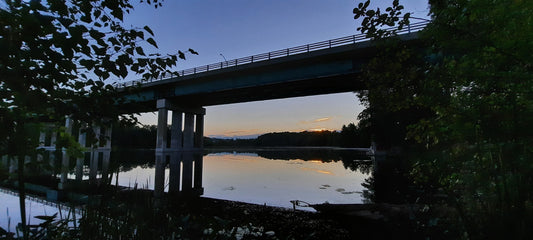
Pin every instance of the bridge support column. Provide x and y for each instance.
(82, 140)
(161, 145)
(94, 157)
(13, 166)
(184, 153)
(198, 170)
(176, 147)
(65, 160)
(176, 132)
(199, 133)
(186, 186)
(188, 132)
(46, 157)
(40, 157)
(52, 147)
(175, 172)
(106, 155)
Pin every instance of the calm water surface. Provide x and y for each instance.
(267, 177)
(252, 178)
(10, 210)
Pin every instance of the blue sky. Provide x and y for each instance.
(240, 28)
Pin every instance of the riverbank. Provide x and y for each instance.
(215, 218)
(134, 214)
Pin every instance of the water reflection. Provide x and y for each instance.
(271, 176)
(266, 176)
(35, 206)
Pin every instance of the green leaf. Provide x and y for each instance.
(149, 30)
(97, 13)
(96, 34)
(192, 51)
(152, 42)
(86, 18)
(89, 64)
(118, 13)
(140, 51)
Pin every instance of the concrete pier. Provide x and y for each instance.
(187, 172)
(52, 149)
(100, 153)
(93, 162)
(176, 132)
(174, 178)
(65, 159)
(186, 145)
(82, 140)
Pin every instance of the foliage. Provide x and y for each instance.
(473, 80)
(55, 59)
(375, 19)
(134, 137)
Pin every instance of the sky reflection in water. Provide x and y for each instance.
(250, 178)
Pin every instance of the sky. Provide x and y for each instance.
(240, 28)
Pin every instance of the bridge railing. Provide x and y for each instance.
(275, 54)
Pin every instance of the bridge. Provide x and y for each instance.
(331, 66)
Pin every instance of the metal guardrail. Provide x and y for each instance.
(274, 54)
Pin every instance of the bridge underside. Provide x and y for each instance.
(316, 86)
(298, 88)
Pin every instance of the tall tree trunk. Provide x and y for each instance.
(20, 172)
(22, 195)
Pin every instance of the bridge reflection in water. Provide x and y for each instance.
(185, 173)
(184, 150)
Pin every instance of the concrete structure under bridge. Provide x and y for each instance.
(53, 159)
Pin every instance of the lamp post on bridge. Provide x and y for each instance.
(226, 61)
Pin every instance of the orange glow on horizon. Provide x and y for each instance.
(318, 130)
(315, 161)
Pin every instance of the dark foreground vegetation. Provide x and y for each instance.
(457, 105)
(134, 214)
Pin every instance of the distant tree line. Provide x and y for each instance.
(349, 136)
(128, 136)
